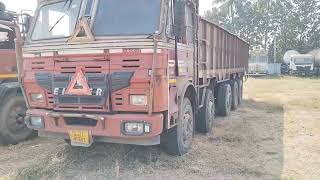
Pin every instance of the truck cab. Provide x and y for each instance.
(12, 103)
(88, 67)
(302, 64)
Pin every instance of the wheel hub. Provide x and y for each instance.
(15, 120)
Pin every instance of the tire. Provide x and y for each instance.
(12, 127)
(207, 114)
(178, 140)
(235, 95)
(224, 99)
(240, 84)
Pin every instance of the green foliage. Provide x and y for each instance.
(296, 23)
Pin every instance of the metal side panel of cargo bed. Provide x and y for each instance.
(221, 51)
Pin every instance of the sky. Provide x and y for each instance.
(18, 5)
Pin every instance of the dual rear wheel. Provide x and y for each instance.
(230, 96)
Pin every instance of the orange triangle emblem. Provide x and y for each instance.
(78, 84)
(82, 32)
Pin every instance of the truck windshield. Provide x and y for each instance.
(56, 20)
(303, 61)
(127, 17)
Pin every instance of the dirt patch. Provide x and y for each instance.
(269, 137)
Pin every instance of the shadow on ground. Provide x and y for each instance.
(246, 145)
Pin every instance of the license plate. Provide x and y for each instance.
(80, 138)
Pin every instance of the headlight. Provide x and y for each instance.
(36, 121)
(136, 128)
(133, 128)
(140, 100)
(36, 97)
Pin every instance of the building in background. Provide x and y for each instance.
(258, 62)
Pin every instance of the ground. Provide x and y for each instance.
(274, 135)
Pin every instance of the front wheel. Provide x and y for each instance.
(178, 140)
(12, 127)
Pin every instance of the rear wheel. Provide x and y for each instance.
(178, 140)
(235, 95)
(207, 114)
(224, 99)
(240, 84)
(12, 127)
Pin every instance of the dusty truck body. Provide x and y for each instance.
(12, 104)
(149, 74)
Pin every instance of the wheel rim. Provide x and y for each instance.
(187, 127)
(15, 119)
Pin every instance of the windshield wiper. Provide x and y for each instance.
(58, 21)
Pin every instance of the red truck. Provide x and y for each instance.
(129, 71)
(12, 104)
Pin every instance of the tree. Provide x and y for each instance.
(295, 23)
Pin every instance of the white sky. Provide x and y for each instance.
(18, 5)
(205, 5)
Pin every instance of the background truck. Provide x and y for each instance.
(302, 64)
(12, 104)
(146, 75)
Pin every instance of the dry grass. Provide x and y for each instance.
(274, 135)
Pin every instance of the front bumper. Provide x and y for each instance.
(108, 127)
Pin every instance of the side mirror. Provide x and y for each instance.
(179, 18)
(24, 20)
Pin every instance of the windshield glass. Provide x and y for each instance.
(56, 20)
(303, 61)
(127, 17)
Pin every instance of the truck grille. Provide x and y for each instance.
(56, 85)
(304, 69)
(95, 81)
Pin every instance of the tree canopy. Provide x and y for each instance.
(294, 23)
